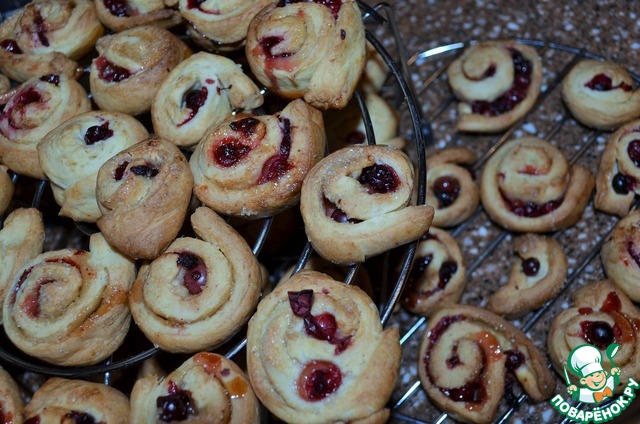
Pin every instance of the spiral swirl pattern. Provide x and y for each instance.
(621, 255)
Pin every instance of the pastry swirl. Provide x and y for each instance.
(68, 307)
(124, 14)
(199, 292)
(451, 189)
(619, 171)
(39, 106)
(620, 255)
(601, 315)
(438, 274)
(60, 400)
(220, 25)
(316, 349)
(497, 83)
(536, 276)
(6, 189)
(199, 93)
(466, 355)
(600, 94)
(206, 388)
(130, 67)
(11, 402)
(143, 193)
(314, 50)
(528, 185)
(72, 154)
(355, 203)
(253, 166)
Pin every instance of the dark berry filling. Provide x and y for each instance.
(80, 417)
(245, 126)
(19, 105)
(472, 392)
(623, 184)
(413, 294)
(301, 302)
(515, 359)
(633, 150)
(120, 170)
(40, 29)
(97, 133)
(278, 165)
(195, 4)
(194, 100)
(446, 190)
(446, 271)
(585, 311)
(531, 209)
(51, 79)
(268, 43)
(147, 171)
(512, 97)
(230, 152)
(598, 333)
(530, 266)
(602, 82)
(379, 178)
(117, 7)
(318, 380)
(335, 213)
(195, 276)
(177, 405)
(109, 72)
(633, 252)
(343, 34)
(333, 5)
(11, 46)
(454, 360)
(612, 303)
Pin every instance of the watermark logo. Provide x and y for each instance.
(596, 385)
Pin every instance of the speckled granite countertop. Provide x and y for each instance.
(607, 28)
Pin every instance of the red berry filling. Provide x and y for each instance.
(11, 46)
(245, 126)
(278, 165)
(97, 133)
(633, 150)
(195, 4)
(446, 189)
(117, 8)
(177, 405)
(335, 213)
(195, 276)
(472, 392)
(18, 105)
(623, 184)
(413, 294)
(598, 333)
(80, 417)
(333, 5)
(147, 170)
(301, 302)
(530, 209)
(530, 266)
(318, 380)
(230, 152)
(120, 170)
(32, 301)
(268, 43)
(110, 72)
(194, 100)
(612, 303)
(379, 179)
(512, 97)
(40, 29)
(602, 82)
(515, 359)
(51, 79)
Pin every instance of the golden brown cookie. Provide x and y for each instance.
(125, 14)
(11, 402)
(620, 255)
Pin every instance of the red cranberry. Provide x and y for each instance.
(585, 311)
(379, 179)
(80, 417)
(117, 7)
(147, 171)
(598, 333)
(244, 126)
(97, 133)
(195, 277)
(278, 165)
(51, 79)
(301, 302)
(268, 43)
(194, 100)
(530, 266)
(177, 405)
(515, 359)
(343, 34)
(195, 4)
(530, 209)
(40, 29)
(318, 380)
(419, 266)
(119, 172)
(633, 150)
(446, 190)
(321, 327)
(11, 46)
(230, 152)
(109, 72)
(622, 184)
(446, 271)
(472, 392)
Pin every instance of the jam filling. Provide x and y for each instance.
(515, 359)
(602, 82)
(110, 72)
(177, 405)
(598, 333)
(32, 300)
(51, 79)
(623, 184)
(245, 126)
(335, 213)
(446, 189)
(633, 252)
(633, 150)
(11, 46)
(195, 4)
(320, 327)
(278, 165)
(268, 43)
(19, 104)
(333, 5)
(318, 380)
(612, 303)
(40, 29)
(195, 276)
(147, 170)
(530, 266)
(530, 209)
(97, 133)
(512, 97)
(117, 8)
(120, 170)
(194, 100)
(80, 417)
(229, 152)
(379, 179)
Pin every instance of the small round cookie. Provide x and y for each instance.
(60, 400)
(143, 193)
(600, 316)
(536, 277)
(497, 83)
(310, 50)
(72, 154)
(438, 274)
(355, 203)
(199, 292)
(124, 14)
(451, 188)
(199, 93)
(130, 67)
(206, 388)
(6, 189)
(600, 94)
(620, 255)
(37, 107)
(465, 356)
(316, 349)
(11, 402)
(529, 186)
(68, 307)
(253, 166)
(220, 25)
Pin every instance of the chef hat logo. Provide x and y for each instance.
(585, 360)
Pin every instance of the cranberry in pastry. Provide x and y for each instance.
(601, 94)
(621, 255)
(253, 166)
(11, 402)
(314, 50)
(119, 15)
(467, 357)
(355, 204)
(497, 83)
(528, 185)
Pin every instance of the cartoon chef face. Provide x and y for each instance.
(586, 361)
(595, 381)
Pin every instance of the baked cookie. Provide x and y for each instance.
(536, 277)
(466, 355)
(124, 14)
(316, 349)
(600, 94)
(11, 402)
(528, 185)
(6, 189)
(310, 50)
(71, 155)
(620, 255)
(355, 203)
(497, 83)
